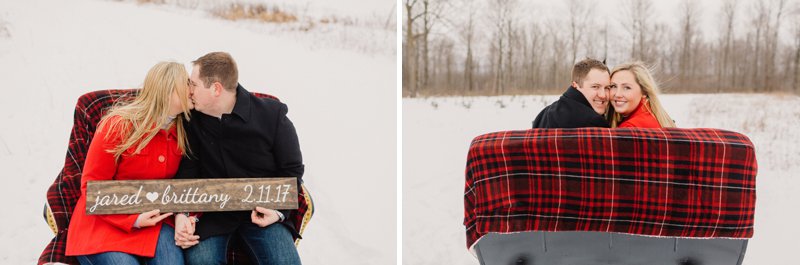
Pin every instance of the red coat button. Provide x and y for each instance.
(161, 158)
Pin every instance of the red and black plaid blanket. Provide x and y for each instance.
(63, 194)
(670, 182)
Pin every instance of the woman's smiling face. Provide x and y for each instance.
(625, 92)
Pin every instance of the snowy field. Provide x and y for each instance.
(341, 98)
(437, 133)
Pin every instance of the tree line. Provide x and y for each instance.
(491, 47)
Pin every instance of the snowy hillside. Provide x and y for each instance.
(437, 133)
(52, 51)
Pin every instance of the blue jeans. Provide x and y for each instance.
(166, 253)
(272, 245)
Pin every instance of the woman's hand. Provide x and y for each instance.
(184, 231)
(150, 218)
(264, 217)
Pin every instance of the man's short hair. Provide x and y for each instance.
(218, 67)
(582, 69)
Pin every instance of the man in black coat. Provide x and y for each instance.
(234, 134)
(585, 101)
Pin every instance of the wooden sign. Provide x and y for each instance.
(190, 195)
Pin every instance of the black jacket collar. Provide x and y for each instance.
(242, 106)
(573, 94)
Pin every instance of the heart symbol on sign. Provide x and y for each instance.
(152, 196)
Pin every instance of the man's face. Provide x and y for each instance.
(202, 96)
(176, 102)
(595, 89)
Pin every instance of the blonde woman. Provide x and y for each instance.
(141, 139)
(634, 98)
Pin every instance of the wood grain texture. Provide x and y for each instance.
(190, 195)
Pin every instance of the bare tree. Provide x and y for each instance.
(431, 14)
(410, 61)
(796, 79)
(556, 76)
(689, 31)
(511, 36)
(421, 18)
(724, 69)
(662, 51)
(761, 23)
(591, 43)
(778, 6)
(605, 33)
(427, 25)
(468, 37)
(534, 57)
(501, 14)
(578, 11)
(442, 64)
(636, 21)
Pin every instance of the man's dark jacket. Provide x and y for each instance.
(572, 110)
(256, 140)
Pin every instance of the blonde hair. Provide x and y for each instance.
(141, 118)
(649, 88)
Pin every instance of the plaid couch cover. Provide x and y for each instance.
(63, 194)
(696, 183)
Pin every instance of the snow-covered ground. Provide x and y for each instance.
(341, 99)
(437, 133)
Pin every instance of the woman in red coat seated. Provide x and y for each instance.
(141, 139)
(634, 99)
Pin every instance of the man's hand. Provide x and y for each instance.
(184, 232)
(264, 217)
(150, 218)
